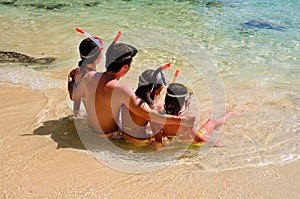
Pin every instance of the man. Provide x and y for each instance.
(104, 94)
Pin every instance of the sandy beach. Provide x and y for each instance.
(239, 55)
(47, 160)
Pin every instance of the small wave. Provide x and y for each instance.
(29, 78)
(290, 157)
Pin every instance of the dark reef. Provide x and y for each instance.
(16, 57)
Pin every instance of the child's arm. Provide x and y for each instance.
(76, 107)
(156, 129)
(71, 81)
(74, 79)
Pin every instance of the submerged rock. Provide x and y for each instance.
(216, 4)
(16, 57)
(260, 24)
(7, 2)
(47, 6)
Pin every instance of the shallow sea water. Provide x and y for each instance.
(242, 55)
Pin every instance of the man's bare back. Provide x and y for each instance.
(97, 89)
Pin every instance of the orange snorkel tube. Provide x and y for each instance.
(175, 75)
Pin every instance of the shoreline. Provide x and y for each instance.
(38, 164)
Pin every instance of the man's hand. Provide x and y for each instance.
(188, 119)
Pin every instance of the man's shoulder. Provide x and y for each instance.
(92, 75)
(124, 86)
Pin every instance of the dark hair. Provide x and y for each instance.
(175, 98)
(149, 82)
(89, 52)
(118, 55)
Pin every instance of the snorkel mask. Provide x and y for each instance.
(150, 77)
(177, 98)
(186, 96)
(156, 78)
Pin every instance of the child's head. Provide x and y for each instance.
(150, 84)
(176, 98)
(89, 51)
(118, 55)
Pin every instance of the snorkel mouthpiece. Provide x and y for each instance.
(96, 41)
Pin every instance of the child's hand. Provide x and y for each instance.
(73, 73)
(71, 80)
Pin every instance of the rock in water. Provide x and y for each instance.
(15, 57)
(260, 24)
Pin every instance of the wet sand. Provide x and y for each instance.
(47, 159)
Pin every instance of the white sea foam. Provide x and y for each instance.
(29, 78)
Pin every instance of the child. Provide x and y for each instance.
(136, 129)
(177, 101)
(90, 54)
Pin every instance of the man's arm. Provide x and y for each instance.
(143, 110)
(158, 134)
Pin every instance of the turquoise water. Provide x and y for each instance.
(248, 52)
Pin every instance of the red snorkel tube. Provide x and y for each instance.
(117, 37)
(159, 70)
(164, 67)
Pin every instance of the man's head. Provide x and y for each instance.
(118, 55)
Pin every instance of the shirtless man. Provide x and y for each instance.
(104, 94)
